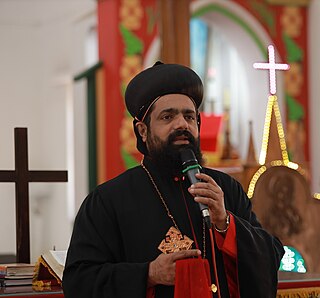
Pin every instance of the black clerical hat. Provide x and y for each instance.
(152, 83)
(159, 80)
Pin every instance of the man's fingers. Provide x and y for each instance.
(206, 178)
(184, 254)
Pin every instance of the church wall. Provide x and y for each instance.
(38, 60)
(127, 32)
(17, 94)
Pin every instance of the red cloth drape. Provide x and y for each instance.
(192, 279)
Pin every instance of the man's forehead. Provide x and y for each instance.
(175, 101)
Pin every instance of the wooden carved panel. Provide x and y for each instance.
(285, 207)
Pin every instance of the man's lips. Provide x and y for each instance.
(181, 140)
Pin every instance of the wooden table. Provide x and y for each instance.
(290, 285)
(298, 285)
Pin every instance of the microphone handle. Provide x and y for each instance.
(203, 208)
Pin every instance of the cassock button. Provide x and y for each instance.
(214, 288)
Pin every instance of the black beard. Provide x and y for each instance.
(167, 155)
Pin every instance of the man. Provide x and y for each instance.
(142, 234)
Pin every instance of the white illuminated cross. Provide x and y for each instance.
(272, 66)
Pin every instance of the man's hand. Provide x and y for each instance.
(208, 192)
(162, 270)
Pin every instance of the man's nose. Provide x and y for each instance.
(181, 122)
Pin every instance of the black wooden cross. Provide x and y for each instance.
(22, 176)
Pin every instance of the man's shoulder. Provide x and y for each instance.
(129, 176)
(116, 190)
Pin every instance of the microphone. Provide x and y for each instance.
(191, 167)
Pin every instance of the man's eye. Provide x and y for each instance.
(189, 117)
(166, 117)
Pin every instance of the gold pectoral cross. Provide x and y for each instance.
(174, 241)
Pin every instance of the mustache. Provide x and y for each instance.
(180, 133)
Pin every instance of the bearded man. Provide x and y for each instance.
(142, 234)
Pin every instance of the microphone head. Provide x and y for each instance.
(188, 158)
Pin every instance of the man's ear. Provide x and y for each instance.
(142, 129)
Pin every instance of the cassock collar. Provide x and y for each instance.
(164, 172)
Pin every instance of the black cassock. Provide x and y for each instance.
(120, 225)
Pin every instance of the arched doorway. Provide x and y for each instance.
(231, 40)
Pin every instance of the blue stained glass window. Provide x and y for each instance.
(198, 46)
